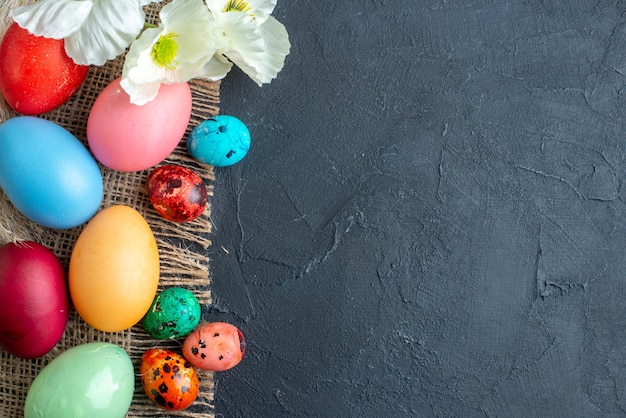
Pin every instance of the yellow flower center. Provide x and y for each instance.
(164, 51)
(237, 6)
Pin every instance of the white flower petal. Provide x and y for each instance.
(146, 2)
(55, 19)
(216, 6)
(260, 53)
(216, 68)
(195, 29)
(138, 54)
(141, 93)
(106, 32)
(260, 9)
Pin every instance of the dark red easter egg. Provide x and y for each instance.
(168, 379)
(34, 301)
(177, 193)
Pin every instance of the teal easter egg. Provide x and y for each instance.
(174, 313)
(89, 380)
(220, 141)
(47, 173)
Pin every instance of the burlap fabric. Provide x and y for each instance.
(182, 247)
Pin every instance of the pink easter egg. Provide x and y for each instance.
(127, 137)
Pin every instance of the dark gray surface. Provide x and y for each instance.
(431, 219)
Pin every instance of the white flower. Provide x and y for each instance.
(182, 47)
(256, 42)
(94, 30)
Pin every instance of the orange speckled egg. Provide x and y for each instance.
(114, 269)
(168, 379)
(214, 346)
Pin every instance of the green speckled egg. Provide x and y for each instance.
(174, 313)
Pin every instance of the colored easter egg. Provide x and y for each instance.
(34, 304)
(114, 269)
(220, 141)
(127, 137)
(36, 75)
(214, 346)
(87, 381)
(47, 173)
(168, 379)
(174, 313)
(177, 193)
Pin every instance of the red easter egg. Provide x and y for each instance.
(34, 301)
(168, 379)
(214, 346)
(36, 75)
(177, 193)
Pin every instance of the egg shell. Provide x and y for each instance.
(36, 75)
(47, 173)
(114, 269)
(90, 380)
(127, 137)
(214, 346)
(174, 313)
(221, 141)
(168, 379)
(34, 301)
(177, 193)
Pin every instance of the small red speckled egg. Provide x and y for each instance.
(214, 346)
(177, 193)
(168, 379)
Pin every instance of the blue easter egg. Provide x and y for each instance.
(47, 173)
(220, 141)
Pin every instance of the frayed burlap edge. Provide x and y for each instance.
(182, 247)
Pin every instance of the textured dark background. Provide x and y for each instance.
(431, 220)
